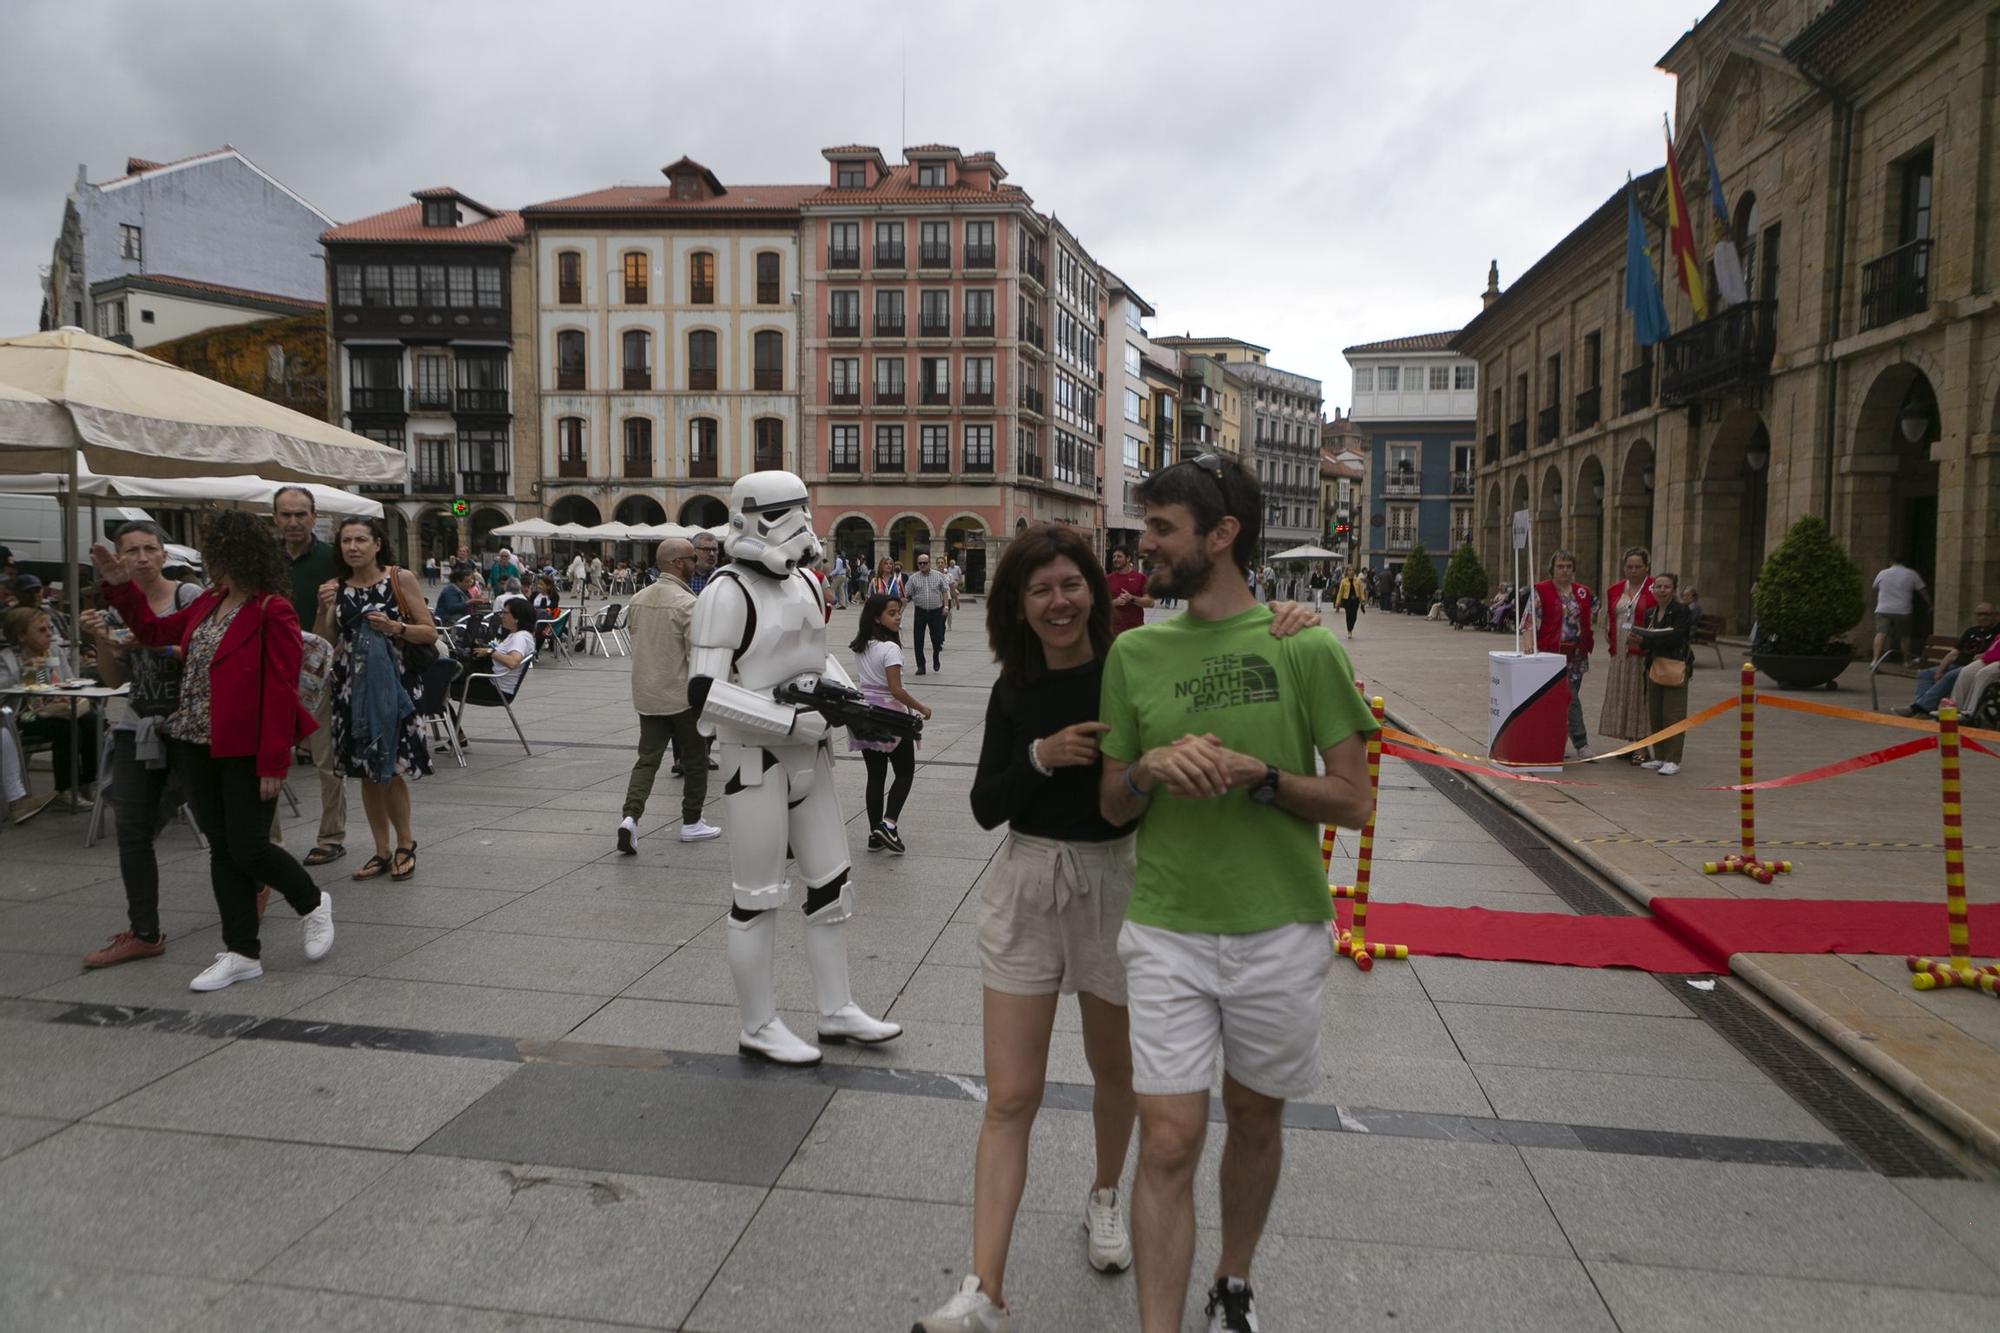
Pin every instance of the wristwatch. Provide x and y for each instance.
(1266, 790)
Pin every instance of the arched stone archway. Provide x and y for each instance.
(1586, 510)
(1888, 481)
(484, 520)
(703, 511)
(965, 540)
(1633, 520)
(1548, 517)
(854, 537)
(907, 534)
(641, 511)
(577, 509)
(1732, 504)
(437, 534)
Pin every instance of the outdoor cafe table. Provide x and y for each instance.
(99, 692)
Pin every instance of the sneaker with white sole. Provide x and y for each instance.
(227, 970)
(1668, 770)
(969, 1311)
(1652, 764)
(316, 928)
(699, 831)
(628, 836)
(1231, 1309)
(1110, 1242)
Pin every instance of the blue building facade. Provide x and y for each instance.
(214, 218)
(1417, 403)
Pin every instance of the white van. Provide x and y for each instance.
(31, 527)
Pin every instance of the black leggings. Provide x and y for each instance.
(241, 855)
(904, 760)
(1352, 606)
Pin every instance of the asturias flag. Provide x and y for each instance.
(1642, 289)
(1680, 237)
(1729, 287)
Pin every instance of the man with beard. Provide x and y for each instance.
(1215, 728)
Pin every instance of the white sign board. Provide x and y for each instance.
(1520, 529)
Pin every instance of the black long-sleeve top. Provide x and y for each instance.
(1668, 632)
(1008, 790)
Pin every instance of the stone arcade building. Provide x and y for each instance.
(1861, 379)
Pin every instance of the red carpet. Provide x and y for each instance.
(1684, 935)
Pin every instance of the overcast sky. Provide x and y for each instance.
(1303, 175)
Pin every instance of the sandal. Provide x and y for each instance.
(405, 862)
(325, 852)
(372, 867)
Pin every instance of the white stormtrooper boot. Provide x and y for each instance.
(764, 1034)
(840, 1018)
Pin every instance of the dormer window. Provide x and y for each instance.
(850, 176)
(440, 213)
(930, 173)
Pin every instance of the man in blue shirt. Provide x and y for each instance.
(454, 603)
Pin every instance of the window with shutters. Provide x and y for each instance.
(701, 359)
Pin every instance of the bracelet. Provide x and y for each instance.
(1035, 760)
(1133, 787)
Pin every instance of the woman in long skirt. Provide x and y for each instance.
(1626, 603)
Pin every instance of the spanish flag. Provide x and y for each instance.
(1680, 236)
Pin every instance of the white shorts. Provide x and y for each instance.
(1255, 999)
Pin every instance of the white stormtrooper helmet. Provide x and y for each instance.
(770, 523)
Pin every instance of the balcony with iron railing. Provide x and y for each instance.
(1461, 483)
(1490, 454)
(1402, 482)
(1037, 272)
(935, 395)
(979, 256)
(842, 394)
(1032, 400)
(836, 327)
(1548, 424)
(843, 258)
(1402, 539)
(492, 402)
(981, 396)
(887, 326)
(932, 254)
(1635, 388)
(889, 397)
(1725, 350)
(430, 398)
(434, 481)
(485, 483)
(929, 326)
(1587, 404)
(1896, 286)
(388, 399)
(1034, 335)
(979, 328)
(1517, 437)
(887, 256)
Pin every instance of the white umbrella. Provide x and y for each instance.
(27, 420)
(222, 492)
(609, 532)
(1306, 553)
(527, 527)
(573, 532)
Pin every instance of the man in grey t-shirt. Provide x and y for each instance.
(929, 592)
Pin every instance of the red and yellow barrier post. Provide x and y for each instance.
(1746, 862)
(1958, 927)
(1353, 942)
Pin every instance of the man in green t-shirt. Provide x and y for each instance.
(1217, 735)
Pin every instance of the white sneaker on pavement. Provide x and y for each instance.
(628, 836)
(852, 1023)
(970, 1311)
(228, 969)
(699, 831)
(1110, 1242)
(778, 1044)
(1651, 764)
(1668, 770)
(316, 928)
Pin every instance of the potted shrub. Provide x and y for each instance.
(1808, 597)
(1420, 580)
(1464, 587)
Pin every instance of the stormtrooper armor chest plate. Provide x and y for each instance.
(788, 638)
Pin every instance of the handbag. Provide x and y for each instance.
(418, 658)
(1667, 672)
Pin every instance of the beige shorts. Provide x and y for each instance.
(1252, 999)
(1049, 914)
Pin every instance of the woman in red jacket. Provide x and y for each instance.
(1562, 625)
(232, 735)
(1627, 602)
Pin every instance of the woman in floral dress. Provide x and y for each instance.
(1625, 605)
(376, 598)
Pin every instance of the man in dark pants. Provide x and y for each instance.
(659, 617)
(930, 593)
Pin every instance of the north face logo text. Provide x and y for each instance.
(1227, 681)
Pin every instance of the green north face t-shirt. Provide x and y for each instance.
(1229, 866)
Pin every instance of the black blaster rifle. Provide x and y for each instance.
(842, 707)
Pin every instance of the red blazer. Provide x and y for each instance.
(253, 695)
(1548, 635)
(1613, 641)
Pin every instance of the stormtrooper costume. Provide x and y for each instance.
(760, 623)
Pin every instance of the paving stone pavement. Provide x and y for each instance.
(509, 1098)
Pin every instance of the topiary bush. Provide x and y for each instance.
(1420, 580)
(1464, 576)
(1809, 595)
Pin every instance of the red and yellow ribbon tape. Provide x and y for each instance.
(1408, 754)
(1779, 701)
(1841, 769)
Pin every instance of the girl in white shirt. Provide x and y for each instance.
(878, 672)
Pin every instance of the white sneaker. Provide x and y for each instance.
(1110, 1242)
(970, 1311)
(316, 928)
(699, 831)
(778, 1044)
(1583, 752)
(852, 1023)
(228, 969)
(628, 836)
(1651, 764)
(1668, 770)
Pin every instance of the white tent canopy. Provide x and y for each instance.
(225, 492)
(527, 527)
(132, 415)
(1307, 552)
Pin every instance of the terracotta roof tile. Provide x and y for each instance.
(932, 148)
(1416, 342)
(197, 287)
(659, 199)
(850, 148)
(900, 186)
(407, 224)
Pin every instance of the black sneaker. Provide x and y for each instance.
(875, 843)
(890, 839)
(1231, 1311)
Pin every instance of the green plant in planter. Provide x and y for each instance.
(1420, 579)
(1808, 595)
(1464, 576)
